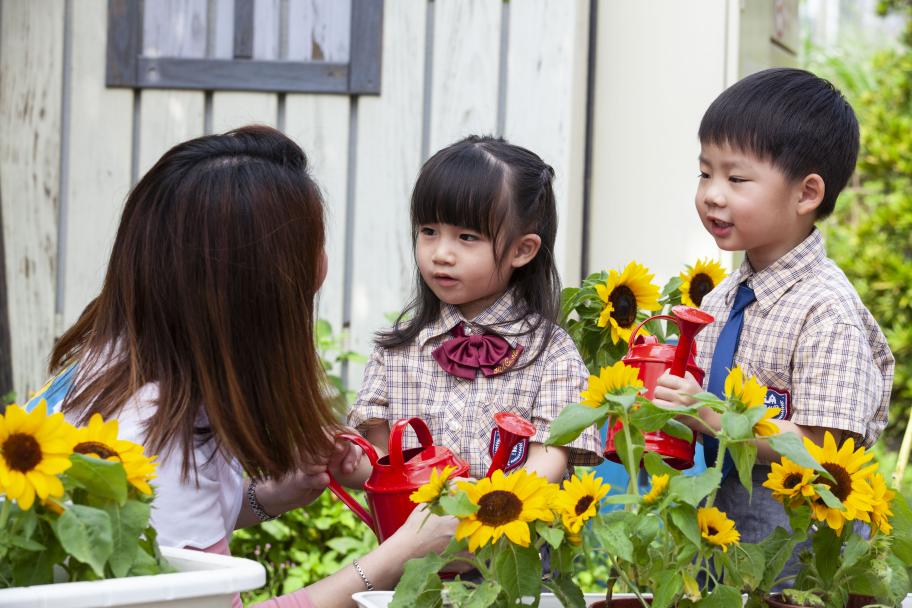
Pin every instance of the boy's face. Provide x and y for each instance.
(748, 204)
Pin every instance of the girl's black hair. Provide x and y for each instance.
(502, 191)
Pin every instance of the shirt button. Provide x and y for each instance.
(454, 425)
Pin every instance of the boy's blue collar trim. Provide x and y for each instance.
(772, 282)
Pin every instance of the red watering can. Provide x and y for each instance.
(396, 476)
(652, 359)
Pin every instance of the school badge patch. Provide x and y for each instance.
(517, 456)
(781, 398)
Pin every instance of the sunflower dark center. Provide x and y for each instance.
(498, 508)
(22, 452)
(792, 480)
(843, 486)
(625, 305)
(711, 531)
(700, 285)
(582, 504)
(94, 447)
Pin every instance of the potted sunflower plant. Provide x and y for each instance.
(604, 310)
(855, 531)
(75, 507)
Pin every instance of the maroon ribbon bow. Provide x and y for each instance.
(464, 355)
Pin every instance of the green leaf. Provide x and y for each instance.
(482, 596)
(792, 447)
(458, 505)
(26, 543)
(567, 592)
(693, 489)
(722, 596)
(828, 497)
(614, 537)
(744, 456)
(420, 585)
(737, 426)
(573, 420)
(656, 465)
(777, 549)
(102, 478)
(902, 528)
(621, 499)
(684, 518)
(827, 546)
(750, 563)
(649, 417)
(553, 536)
(127, 524)
(678, 429)
(855, 549)
(85, 533)
(518, 570)
(37, 568)
(668, 584)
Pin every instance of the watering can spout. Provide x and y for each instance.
(691, 321)
(513, 429)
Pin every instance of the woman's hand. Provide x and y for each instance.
(425, 532)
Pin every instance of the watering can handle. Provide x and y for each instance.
(634, 333)
(395, 440)
(336, 488)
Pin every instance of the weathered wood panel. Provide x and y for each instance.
(175, 28)
(546, 105)
(99, 156)
(168, 118)
(232, 110)
(387, 162)
(466, 70)
(266, 29)
(319, 124)
(31, 35)
(319, 30)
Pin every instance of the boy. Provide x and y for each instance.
(776, 150)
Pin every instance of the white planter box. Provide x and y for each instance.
(203, 580)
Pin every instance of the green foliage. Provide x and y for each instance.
(303, 546)
(869, 234)
(333, 354)
(98, 529)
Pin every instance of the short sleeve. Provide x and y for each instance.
(836, 383)
(565, 377)
(372, 401)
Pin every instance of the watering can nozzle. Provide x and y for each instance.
(513, 429)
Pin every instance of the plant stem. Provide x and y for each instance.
(720, 459)
(4, 513)
(632, 468)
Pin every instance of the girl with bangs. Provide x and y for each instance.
(480, 335)
(201, 346)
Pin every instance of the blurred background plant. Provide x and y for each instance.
(869, 233)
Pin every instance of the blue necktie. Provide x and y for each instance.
(722, 361)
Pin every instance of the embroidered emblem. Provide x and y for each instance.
(781, 398)
(517, 455)
(508, 362)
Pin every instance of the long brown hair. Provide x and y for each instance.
(210, 294)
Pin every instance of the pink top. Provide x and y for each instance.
(298, 599)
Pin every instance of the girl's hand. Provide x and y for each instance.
(346, 456)
(672, 391)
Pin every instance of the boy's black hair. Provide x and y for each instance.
(797, 121)
(502, 191)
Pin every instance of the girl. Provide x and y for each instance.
(201, 345)
(481, 334)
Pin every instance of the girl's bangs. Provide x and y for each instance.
(466, 190)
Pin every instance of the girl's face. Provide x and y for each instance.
(458, 265)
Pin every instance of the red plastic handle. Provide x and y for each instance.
(634, 333)
(339, 491)
(395, 440)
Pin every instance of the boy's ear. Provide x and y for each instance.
(524, 249)
(810, 195)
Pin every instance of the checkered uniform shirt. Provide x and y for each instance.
(406, 381)
(809, 334)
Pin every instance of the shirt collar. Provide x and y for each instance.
(772, 282)
(501, 316)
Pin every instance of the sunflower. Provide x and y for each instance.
(610, 381)
(764, 427)
(850, 485)
(880, 514)
(34, 449)
(506, 505)
(624, 294)
(659, 483)
(431, 490)
(699, 280)
(99, 439)
(789, 482)
(578, 500)
(717, 528)
(751, 393)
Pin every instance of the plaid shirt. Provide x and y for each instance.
(406, 381)
(809, 334)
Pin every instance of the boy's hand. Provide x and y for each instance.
(672, 391)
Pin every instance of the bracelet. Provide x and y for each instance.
(367, 583)
(255, 505)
